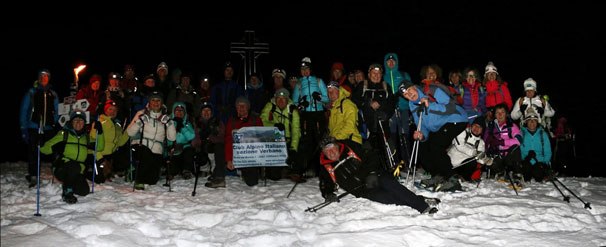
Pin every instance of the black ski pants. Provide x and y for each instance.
(70, 173)
(148, 166)
(390, 191)
(432, 153)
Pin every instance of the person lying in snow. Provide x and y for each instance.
(363, 178)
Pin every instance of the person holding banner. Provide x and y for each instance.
(362, 176)
(280, 112)
(244, 118)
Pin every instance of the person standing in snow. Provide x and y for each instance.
(116, 94)
(400, 120)
(532, 103)
(149, 129)
(244, 118)
(337, 73)
(72, 145)
(343, 118)
(185, 93)
(224, 94)
(362, 177)
(473, 94)
(257, 95)
(496, 88)
(92, 93)
(39, 108)
(442, 121)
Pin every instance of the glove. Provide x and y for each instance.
(25, 135)
(98, 127)
(317, 96)
(292, 108)
(179, 122)
(143, 118)
(531, 155)
(303, 105)
(372, 180)
(523, 107)
(280, 126)
(332, 197)
(540, 110)
(164, 119)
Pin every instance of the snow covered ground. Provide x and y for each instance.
(490, 215)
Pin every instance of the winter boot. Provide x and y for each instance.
(215, 183)
(33, 180)
(186, 175)
(432, 202)
(452, 184)
(68, 196)
(430, 210)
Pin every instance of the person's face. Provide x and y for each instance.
(254, 81)
(185, 82)
(278, 82)
(242, 110)
(162, 72)
(44, 80)
(150, 82)
(111, 112)
(500, 115)
(129, 73)
(337, 74)
(530, 93)
(359, 76)
(391, 63)
(476, 129)
(282, 102)
(431, 74)
(375, 75)
(204, 85)
(532, 124)
(96, 85)
(470, 77)
(228, 73)
(351, 78)
(411, 94)
(77, 124)
(454, 78)
(333, 94)
(155, 104)
(114, 82)
(305, 71)
(492, 76)
(206, 113)
(179, 112)
(331, 152)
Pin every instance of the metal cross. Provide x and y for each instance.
(250, 50)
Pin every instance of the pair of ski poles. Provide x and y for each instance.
(415, 149)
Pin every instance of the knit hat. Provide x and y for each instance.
(162, 65)
(479, 121)
(227, 64)
(95, 78)
(114, 75)
(206, 104)
(279, 72)
(404, 86)
(150, 76)
(109, 103)
(328, 141)
(375, 66)
(332, 84)
(306, 62)
(78, 114)
(282, 92)
(490, 68)
(156, 95)
(44, 71)
(243, 99)
(530, 84)
(337, 65)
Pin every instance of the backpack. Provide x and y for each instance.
(451, 106)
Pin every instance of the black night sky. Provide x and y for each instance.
(554, 44)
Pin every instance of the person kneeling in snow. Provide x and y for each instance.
(72, 145)
(467, 151)
(363, 178)
(536, 150)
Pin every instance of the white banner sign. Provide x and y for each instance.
(259, 146)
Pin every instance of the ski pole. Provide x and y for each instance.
(95, 157)
(565, 197)
(193, 193)
(40, 132)
(587, 204)
(415, 152)
(293, 189)
(392, 163)
(511, 181)
(324, 204)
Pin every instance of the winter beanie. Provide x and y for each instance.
(279, 72)
(282, 92)
(95, 78)
(243, 99)
(530, 84)
(306, 62)
(332, 84)
(109, 103)
(479, 121)
(490, 68)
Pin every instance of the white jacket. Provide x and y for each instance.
(154, 131)
(535, 102)
(465, 146)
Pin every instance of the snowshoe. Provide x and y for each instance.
(432, 202)
(452, 184)
(431, 182)
(69, 198)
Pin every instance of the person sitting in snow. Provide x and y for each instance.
(536, 150)
(72, 145)
(502, 138)
(363, 177)
(149, 129)
(181, 156)
(467, 151)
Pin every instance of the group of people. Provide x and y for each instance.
(352, 131)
